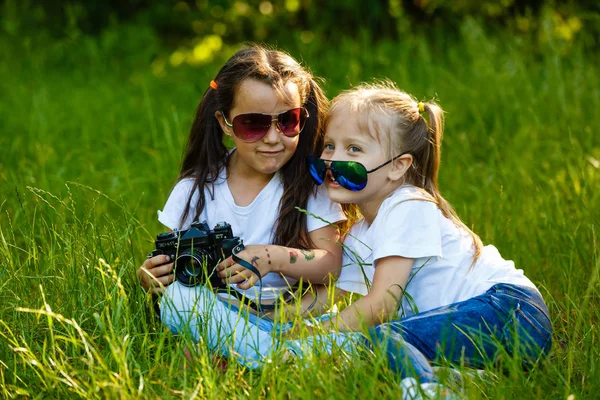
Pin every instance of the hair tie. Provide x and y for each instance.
(214, 85)
(421, 107)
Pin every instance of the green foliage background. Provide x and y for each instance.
(96, 99)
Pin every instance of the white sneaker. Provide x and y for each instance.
(412, 390)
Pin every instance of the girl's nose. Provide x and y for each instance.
(273, 134)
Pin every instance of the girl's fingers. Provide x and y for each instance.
(156, 271)
(238, 277)
(161, 282)
(150, 279)
(163, 270)
(156, 261)
(251, 281)
(231, 271)
(237, 274)
(165, 280)
(157, 290)
(228, 262)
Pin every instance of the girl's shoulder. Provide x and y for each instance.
(406, 208)
(182, 188)
(409, 197)
(171, 213)
(188, 182)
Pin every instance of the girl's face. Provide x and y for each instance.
(345, 142)
(267, 155)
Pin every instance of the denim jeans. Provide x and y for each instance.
(224, 328)
(227, 330)
(506, 318)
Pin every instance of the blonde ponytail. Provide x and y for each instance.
(435, 132)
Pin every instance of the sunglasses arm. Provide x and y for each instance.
(225, 119)
(389, 161)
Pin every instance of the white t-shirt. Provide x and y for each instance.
(253, 224)
(443, 253)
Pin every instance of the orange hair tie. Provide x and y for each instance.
(214, 85)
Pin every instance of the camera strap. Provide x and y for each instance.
(246, 265)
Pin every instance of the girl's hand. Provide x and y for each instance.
(155, 274)
(260, 256)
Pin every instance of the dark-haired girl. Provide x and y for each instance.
(272, 109)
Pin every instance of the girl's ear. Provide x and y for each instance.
(401, 165)
(224, 127)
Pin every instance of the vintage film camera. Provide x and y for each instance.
(197, 251)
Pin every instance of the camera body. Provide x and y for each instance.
(197, 251)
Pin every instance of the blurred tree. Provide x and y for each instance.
(198, 28)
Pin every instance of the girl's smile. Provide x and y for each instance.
(330, 180)
(271, 153)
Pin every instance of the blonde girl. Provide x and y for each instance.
(431, 290)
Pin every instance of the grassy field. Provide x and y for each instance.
(91, 141)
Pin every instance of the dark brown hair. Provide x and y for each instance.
(206, 155)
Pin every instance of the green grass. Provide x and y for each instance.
(91, 143)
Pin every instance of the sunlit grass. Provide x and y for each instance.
(91, 143)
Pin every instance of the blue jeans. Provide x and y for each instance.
(249, 339)
(506, 318)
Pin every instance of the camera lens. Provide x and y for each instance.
(190, 267)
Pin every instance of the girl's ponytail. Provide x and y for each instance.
(205, 153)
(432, 154)
(431, 166)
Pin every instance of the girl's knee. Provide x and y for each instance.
(528, 333)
